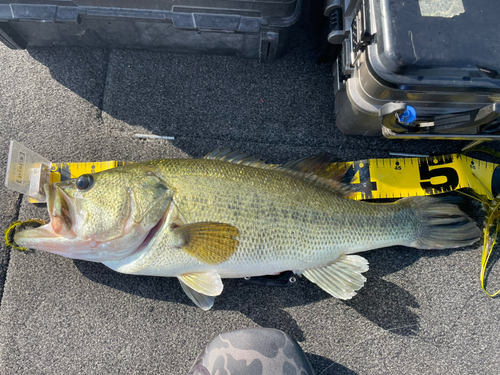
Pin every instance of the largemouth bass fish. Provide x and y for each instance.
(230, 215)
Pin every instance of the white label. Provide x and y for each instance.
(441, 8)
(26, 171)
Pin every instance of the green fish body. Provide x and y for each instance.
(230, 215)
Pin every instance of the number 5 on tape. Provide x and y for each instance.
(404, 177)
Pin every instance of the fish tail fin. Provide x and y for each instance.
(440, 223)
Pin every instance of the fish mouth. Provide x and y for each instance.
(59, 207)
(59, 235)
(58, 230)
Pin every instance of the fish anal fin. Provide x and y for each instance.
(201, 287)
(211, 243)
(342, 278)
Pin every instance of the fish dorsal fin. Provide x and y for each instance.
(210, 243)
(323, 169)
(236, 157)
(201, 287)
(342, 278)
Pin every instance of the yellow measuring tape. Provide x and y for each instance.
(65, 171)
(371, 178)
(391, 178)
(405, 177)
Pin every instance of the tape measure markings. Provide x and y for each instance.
(371, 178)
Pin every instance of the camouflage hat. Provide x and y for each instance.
(257, 351)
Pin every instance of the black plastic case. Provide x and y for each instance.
(252, 29)
(439, 60)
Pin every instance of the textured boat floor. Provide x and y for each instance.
(420, 312)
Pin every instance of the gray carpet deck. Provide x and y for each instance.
(420, 312)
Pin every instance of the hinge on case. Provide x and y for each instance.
(334, 12)
(339, 75)
(481, 124)
(360, 32)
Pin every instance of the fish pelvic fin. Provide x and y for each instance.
(342, 278)
(210, 243)
(201, 287)
(440, 223)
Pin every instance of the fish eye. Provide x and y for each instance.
(84, 182)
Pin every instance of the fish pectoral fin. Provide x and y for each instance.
(342, 278)
(211, 243)
(201, 287)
